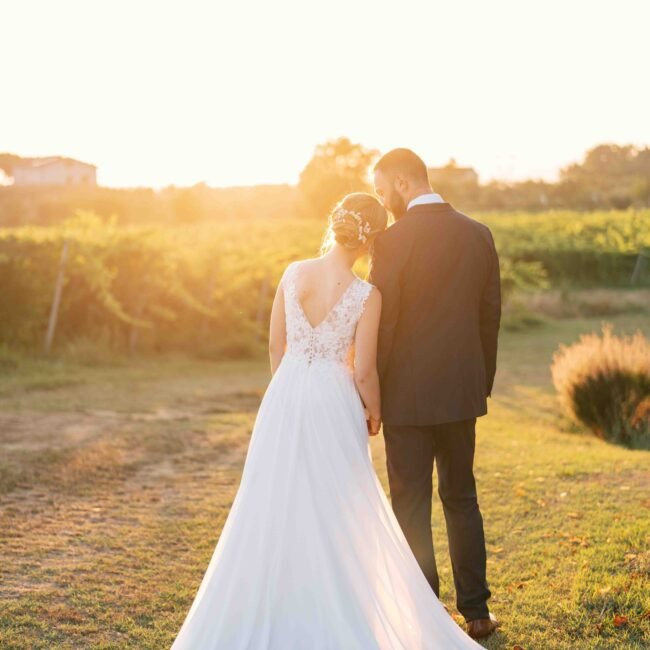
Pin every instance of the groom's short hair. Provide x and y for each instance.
(404, 162)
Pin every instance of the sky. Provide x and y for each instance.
(241, 92)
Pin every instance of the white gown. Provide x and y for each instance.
(311, 556)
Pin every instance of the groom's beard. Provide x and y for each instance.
(398, 206)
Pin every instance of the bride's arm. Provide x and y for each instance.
(365, 355)
(278, 330)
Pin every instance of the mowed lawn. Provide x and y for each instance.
(116, 481)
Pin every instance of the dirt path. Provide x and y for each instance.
(89, 498)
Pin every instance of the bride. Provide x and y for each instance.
(311, 556)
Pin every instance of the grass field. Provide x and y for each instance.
(116, 481)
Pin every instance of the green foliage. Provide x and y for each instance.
(194, 288)
(521, 275)
(207, 288)
(587, 249)
(610, 176)
(604, 383)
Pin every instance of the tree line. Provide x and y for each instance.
(609, 177)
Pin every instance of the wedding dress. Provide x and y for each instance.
(311, 556)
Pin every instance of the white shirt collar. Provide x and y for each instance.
(423, 199)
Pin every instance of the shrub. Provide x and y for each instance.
(604, 382)
(524, 276)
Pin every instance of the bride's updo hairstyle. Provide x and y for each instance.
(357, 219)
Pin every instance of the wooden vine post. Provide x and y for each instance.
(261, 307)
(212, 287)
(133, 330)
(641, 260)
(56, 300)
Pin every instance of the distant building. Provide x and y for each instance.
(452, 175)
(54, 170)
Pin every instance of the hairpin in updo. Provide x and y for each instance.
(340, 215)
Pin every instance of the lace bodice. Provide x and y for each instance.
(332, 338)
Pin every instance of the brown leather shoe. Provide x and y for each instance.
(481, 627)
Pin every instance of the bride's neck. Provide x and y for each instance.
(343, 255)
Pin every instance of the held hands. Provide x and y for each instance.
(374, 424)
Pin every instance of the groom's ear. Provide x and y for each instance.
(401, 184)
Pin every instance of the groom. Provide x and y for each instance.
(438, 273)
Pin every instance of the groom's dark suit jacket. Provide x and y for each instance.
(438, 273)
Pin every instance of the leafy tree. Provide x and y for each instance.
(336, 168)
(611, 176)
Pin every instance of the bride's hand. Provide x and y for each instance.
(373, 425)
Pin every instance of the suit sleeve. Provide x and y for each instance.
(386, 278)
(490, 315)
